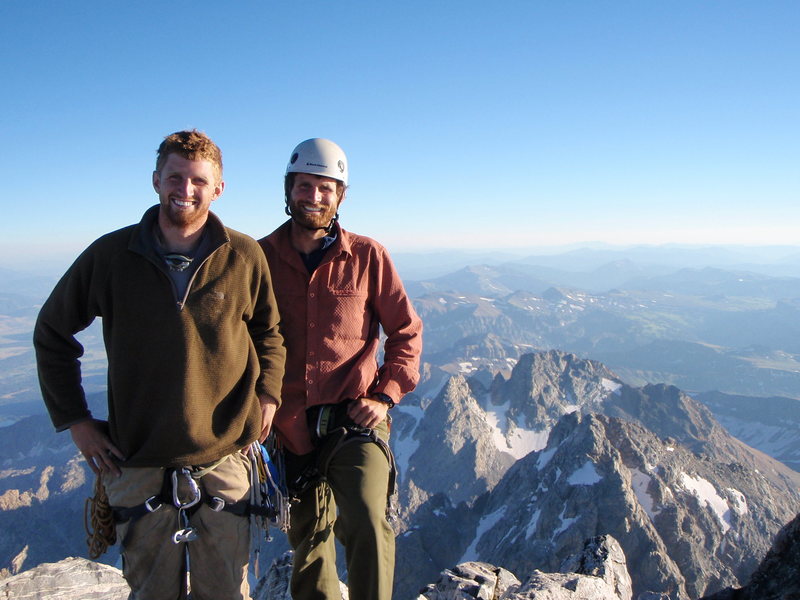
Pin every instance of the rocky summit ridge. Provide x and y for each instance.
(598, 572)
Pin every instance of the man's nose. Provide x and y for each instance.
(316, 194)
(187, 187)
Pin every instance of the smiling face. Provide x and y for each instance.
(314, 200)
(186, 188)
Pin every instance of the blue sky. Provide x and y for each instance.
(467, 124)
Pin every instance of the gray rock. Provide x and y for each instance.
(275, 585)
(599, 574)
(603, 557)
(471, 581)
(69, 579)
(474, 463)
(555, 586)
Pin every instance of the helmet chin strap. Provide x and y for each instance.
(327, 228)
(331, 224)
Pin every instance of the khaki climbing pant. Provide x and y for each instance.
(154, 566)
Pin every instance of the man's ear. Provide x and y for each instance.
(218, 189)
(156, 182)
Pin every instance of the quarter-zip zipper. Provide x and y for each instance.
(180, 303)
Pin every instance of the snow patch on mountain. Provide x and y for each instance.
(566, 522)
(640, 482)
(739, 501)
(707, 494)
(544, 458)
(586, 475)
(610, 386)
(509, 437)
(403, 449)
(531, 528)
(484, 525)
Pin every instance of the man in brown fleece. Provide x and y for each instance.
(195, 364)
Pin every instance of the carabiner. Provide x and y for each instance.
(193, 487)
(187, 534)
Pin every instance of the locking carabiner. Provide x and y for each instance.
(193, 487)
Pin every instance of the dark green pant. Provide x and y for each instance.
(356, 485)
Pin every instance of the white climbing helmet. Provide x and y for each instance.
(319, 156)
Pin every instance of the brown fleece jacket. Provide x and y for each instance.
(183, 374)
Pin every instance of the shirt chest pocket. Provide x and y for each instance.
(349, 313)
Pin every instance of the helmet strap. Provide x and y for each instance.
(332, 223)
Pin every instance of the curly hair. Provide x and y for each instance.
(191, 145)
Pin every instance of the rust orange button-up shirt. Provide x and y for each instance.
(331, 321)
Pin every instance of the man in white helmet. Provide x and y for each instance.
(335, 292)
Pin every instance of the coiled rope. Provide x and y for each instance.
(98, 521)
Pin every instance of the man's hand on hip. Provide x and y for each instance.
(91, 438)
(367, 412)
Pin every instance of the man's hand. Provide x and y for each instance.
(367, 412)
(91, 438)
(268, 408)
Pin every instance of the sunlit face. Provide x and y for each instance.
(186, 188)
(314, 200)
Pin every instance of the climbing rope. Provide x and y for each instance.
(98, 521)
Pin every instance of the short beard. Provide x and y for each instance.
(181, 219)
(312, 222)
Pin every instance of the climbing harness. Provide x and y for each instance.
(268, 504)
(331, 430)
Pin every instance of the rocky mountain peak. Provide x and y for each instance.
(460, 458)
(545, 385)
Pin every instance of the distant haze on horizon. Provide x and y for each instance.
(423, 263)
(467, 125)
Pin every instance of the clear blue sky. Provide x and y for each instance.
(481, 124)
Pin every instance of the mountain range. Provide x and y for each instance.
(662, 413)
